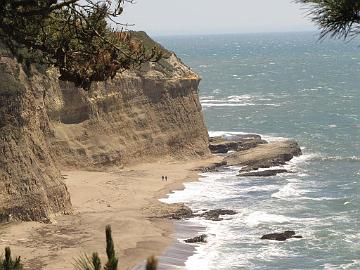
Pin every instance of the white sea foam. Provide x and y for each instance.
(270, 138)
(209, 189)
(259, 217)
(304, 158)
(322, 198)
(289, 191)
(237, 101)
(340, 158)
(354, 265)
(207, 98)
(239, 98)
(207, 105)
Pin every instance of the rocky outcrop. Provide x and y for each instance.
(252, 153)
(46, 125)
(212, 167)
(197, 239)
(175, 211)
(224, 144)
(180, 211)
(280, 236)
(215, 214)
(265, 155)
(264, 173)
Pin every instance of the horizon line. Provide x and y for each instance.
(230, 33)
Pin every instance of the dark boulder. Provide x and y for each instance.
(281, 236)
(213, 167)
(222, 147)
(197, 239)
(214, 215)
(182, 213)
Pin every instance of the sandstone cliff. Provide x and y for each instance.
(30, 183)
(136, 116)
(46, 124)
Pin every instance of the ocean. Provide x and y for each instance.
(281, 85)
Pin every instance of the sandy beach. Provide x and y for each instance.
(123, 199)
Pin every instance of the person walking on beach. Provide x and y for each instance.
(165, 178)
(162, 177)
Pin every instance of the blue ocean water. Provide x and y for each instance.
(285, 85)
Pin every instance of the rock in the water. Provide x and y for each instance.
(213, 167)
(197, 239)
(222, 147)
(281, 236)
(241, 137)
(224, 144)
(214, 215)
(265, 155)
(181, 213)
(263, 173)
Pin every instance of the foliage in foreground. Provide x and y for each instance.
(83, 263)
(94, 263)
(7, 263)
(73, 35)
(335, 18)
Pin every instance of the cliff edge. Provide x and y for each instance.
(46, 125)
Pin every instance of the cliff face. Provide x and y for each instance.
(30, 183)
(45, 125)
(136, 116)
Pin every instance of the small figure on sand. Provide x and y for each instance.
(165, 178)
(162, 177)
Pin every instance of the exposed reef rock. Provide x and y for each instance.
(263, 173)
(197, 239)
(46, 125)
(172, 211)
(265, 155)
(224, 144)
(214, 215)
(252, 153)
(212, 167)
(180, 211)
(280, 236)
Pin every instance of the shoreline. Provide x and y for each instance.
(129, 200)
(121, 198)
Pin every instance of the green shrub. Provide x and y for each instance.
(8, 263)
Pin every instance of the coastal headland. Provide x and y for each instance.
(74, 161)
(128, 200)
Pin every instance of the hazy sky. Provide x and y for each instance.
(164, 17)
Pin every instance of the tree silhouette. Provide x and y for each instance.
(73, 35)
(335, 18)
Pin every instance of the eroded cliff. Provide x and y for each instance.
(139, 115)
(30, 182)
(46, 125)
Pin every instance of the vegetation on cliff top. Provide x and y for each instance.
(74, 36)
